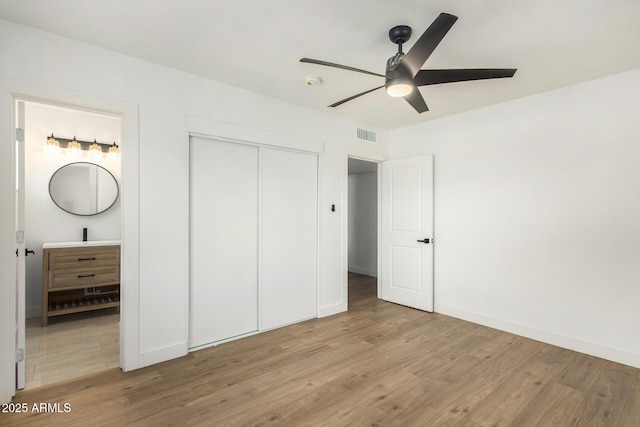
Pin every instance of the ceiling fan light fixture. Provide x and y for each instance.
(399, 88)
(403, 74)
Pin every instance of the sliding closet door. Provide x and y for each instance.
(223, 252)
(289, 237)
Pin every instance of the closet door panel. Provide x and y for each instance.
(223, 252)
(289, 237)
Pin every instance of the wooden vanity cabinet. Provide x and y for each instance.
(77, 279)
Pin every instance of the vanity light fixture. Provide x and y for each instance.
(52, 145)
(114, 150)
(95, 149)
(75, 146)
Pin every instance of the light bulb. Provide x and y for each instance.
(114, 150)
(52, 145)
(94, 149)
(399, 90)
(74, 146)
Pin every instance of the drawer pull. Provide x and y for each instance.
(86, 275)
(87, 259)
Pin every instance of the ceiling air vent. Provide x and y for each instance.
(367, 135)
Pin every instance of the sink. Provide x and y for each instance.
(50, 245)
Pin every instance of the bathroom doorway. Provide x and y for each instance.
(362, 229)
(83, 340)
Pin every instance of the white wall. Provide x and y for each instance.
(363, 224)
(42, 61)
(44, 221)
(537, 209)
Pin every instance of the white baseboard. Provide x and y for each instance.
(151, 357)
(365, 271)
(330, 310)
(588, 347)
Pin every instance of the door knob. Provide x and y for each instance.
(28, 251)
(424, 241)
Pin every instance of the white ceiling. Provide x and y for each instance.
(257, 44)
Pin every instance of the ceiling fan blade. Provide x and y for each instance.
(427, 43)
(355, 96)
(435, 77)
(417, 101)
(344, 67)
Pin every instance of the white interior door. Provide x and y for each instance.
(289, 237)
(20, 248)
(407, 232)
(223, 248)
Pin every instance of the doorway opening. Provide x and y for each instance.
(362, 239)
(81, 340)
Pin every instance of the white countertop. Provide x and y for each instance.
(50, 245)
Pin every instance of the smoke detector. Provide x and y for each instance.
(312, 80)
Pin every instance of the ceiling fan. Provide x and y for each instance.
(403, 74)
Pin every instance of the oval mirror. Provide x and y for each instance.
(83, 188)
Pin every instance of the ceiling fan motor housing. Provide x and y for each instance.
(397, 73)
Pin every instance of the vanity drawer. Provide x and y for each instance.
(81, 258)
(86, 277)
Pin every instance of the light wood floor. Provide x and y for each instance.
(379, 364)
(71, 346)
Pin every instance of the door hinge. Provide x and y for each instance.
(20, 134)
(19, 355)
